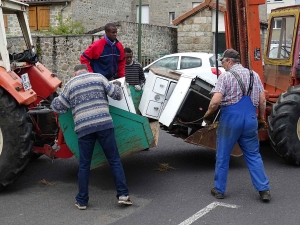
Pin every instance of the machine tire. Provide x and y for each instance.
(15, 139)
(284, 125)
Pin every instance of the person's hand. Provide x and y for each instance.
(208, 118)
(118, 83)
(262, 125)
(137, 87)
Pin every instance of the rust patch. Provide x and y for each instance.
(207, 137)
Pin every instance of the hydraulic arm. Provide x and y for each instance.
(243, 32)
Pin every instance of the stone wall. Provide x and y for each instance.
(195, 33)
(60, 53)
(14, 28)
(263, 13)
(97, 13)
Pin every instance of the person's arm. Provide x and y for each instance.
(262, 125)
(61, 104)
(218, 93)
(86, 61)
(262, 105)
(121, 61)
(141, 76)
(113, 89)
(92, 52)
(214, 104)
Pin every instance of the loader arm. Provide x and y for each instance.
(242, 30)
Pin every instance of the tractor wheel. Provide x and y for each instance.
(15, 141)
(284, 125)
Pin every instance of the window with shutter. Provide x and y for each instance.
(43, 17)
(32, 18)
(5, 22)
(39, 17)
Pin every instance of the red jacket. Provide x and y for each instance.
(105, 58)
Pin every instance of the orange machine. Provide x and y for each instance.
(277, 65)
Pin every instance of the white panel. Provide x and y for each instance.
(169, 93)
(126, 103)
(160, 86)
(150, 99)
(170, 111)
(145, 13)
(196, 4)
(153, 109)
(221, 25)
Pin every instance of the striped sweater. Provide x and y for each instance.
(86, 95)
(134, 74)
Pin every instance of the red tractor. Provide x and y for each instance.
(26, 89)
(28, 126)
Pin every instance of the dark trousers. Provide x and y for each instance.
(106, 139)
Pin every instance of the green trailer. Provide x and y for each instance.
(133, 133)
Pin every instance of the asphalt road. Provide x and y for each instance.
(45, 192)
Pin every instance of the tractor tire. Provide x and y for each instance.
(15, 139)
(284, 125)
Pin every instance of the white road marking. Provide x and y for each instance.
(206, 210)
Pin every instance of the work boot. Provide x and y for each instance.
(265, 196)
(216, 194)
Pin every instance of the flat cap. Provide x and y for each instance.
(230, 53)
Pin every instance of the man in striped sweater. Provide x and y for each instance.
(86, 95)
(134, 76)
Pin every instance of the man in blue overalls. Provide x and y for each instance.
(239, 92)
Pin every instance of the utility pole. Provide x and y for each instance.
(216, 36)
(140, 33)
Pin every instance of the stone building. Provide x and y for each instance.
(93, 13)
(196, 28)
(163, 12)
(96, 13)
(61, 53)
(41, 15)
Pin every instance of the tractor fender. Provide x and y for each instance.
(12, 83)
(43, 82)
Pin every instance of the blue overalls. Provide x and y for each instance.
(238, 123)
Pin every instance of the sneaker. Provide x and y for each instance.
(265, 196)
(125, 200)
(81, 207)
(216, 194)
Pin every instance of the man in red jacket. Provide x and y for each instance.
(106, 56)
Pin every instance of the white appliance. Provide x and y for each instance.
(126, 102)
(159, 86)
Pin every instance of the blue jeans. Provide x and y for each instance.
(106, 139)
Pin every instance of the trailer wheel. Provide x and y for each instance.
(15, 141)
(284, 125)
